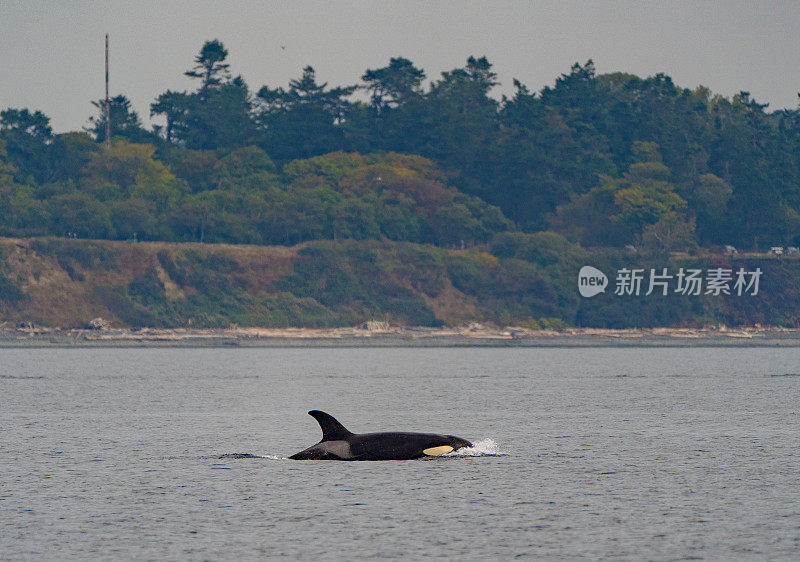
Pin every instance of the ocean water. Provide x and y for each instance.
(660, 454)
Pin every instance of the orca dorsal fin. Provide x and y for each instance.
(332, 430)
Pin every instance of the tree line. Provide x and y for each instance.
(604, 160)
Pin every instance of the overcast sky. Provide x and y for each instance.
(51, 52)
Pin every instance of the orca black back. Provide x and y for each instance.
(338, 443)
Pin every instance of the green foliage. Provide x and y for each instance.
(709, 169)
(147, 289)
(601, 160)
(330, 167)
(128, 171)
(670, 232)
(242, 163)
(218, 115)
(81, 215)
(620, 210)
(26, 137)
(422, 267)
(10, 292)
(394, 85)
(125, 122)
(304, 120)
(70, 154)
(644, 151)
(210, 64)
(75, 256)
(507, 290)
(349, 281)
(196, 167)
(543, 248)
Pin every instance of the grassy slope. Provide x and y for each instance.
(66, 283)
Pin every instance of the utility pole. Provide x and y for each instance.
(108, 102)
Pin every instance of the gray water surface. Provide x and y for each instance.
(607, 453)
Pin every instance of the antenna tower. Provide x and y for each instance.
(108, 102)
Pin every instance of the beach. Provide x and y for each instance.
(378, 334)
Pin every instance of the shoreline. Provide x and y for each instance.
(392, 336)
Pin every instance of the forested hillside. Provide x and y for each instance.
(589, 164)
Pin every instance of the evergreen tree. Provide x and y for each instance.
(306, 119)
(125, 121)
(394, 85)
(27, 139)
(210, 66)
(218, 114)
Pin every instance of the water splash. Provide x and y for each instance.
(484, 448)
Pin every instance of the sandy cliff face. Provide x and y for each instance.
(333, 284)
(67, 283)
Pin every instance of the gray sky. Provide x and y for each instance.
(52, 51)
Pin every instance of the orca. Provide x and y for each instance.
(342, 445)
